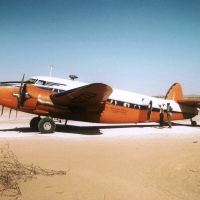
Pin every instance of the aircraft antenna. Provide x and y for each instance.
(51, 69)
(73, 77)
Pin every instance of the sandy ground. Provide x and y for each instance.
(107, 163)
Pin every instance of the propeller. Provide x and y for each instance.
(19, 95)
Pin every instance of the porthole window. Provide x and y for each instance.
(126, 105)
(113, 102)
(136, 107)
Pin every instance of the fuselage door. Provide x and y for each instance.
(145, 110)
(149, 109)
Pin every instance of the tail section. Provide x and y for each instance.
(175, 92)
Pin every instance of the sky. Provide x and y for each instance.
(142, 46)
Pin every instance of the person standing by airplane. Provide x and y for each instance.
(169, 109)
(161, 115)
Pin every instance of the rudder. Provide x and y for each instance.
(175, 92)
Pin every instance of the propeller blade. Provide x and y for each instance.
(22, 82)
(19, 96)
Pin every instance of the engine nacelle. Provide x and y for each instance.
(31, 96)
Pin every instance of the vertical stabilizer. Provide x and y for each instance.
(175, 92)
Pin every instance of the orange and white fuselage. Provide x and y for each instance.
(120, 107)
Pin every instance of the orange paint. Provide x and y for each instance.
(38, 101)
(118, 114)
(6, 97)
(175, 92)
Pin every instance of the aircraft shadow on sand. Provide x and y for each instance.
(59, 129)
(82, 130)
(180, 124)
(90, 130)
(86, 130)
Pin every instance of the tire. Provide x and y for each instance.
(193, 123)
(46, 125)
(34, 123)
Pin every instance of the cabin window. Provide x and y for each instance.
(49, 83)
(113, 102)
(126, 105)
(55, 90)
(137, 107)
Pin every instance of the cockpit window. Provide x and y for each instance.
(40, 82)
(55, 84)
(31, 81)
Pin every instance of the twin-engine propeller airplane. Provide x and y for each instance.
(97, 102)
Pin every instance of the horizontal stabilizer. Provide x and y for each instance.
(192, 103)
(175, 92)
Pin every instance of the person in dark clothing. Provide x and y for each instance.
(169, 114)
(161, 116)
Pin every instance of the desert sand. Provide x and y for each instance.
(138, 162)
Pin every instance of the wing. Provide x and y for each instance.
(90, 97)
(192, 103)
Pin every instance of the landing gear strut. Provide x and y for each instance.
(193, 123)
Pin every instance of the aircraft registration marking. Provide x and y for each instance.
(83, 97)
(118, 110)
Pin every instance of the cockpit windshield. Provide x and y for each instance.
(43, 82)
(31, 81)
(40, 82)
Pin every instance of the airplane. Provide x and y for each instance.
(52, 98)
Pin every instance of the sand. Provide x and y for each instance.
(107, 163)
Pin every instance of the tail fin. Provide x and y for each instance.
(175, 92)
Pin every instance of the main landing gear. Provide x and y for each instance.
(193, 123)
(44, 125)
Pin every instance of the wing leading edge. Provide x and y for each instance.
(91, 96)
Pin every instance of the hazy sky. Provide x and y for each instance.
(141, 46)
